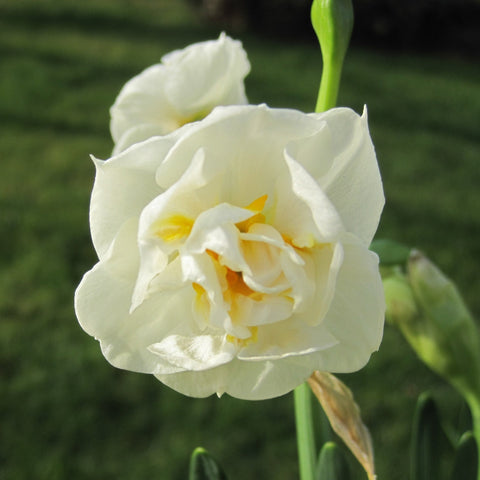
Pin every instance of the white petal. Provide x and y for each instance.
(314, 152)
(206, 74)
(303, 211)
(102, 303)
(141, 101)
(178, 206)
(356, 315)
(197, 353)
(240, 379)
(353, 184)
(123, 186)
(215, 230)
(137, 134)
(264, 233)
(199, 384)
(327, 262)
(249, 140)
(269, 309)
(200, 270)
(301, 279)
(287, 339)
(265, 273)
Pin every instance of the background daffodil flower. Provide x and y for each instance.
(183, 88)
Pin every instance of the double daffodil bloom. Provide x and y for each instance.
(233, 252)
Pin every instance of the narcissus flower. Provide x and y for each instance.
(183, 88)
(233, 253)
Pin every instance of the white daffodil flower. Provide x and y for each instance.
(233, 253)
(186, 86)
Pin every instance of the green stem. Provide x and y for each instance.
(474, 404)
(329, 85)
(305, 435)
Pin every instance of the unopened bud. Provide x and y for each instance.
(445, 335)
(399, 299)
(332, 21)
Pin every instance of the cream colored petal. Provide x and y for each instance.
(102, 302)
(191, 195)
(199, 384)
(265, 272)
(353, 184)
(327, 262)
(264, 233)
(268, 309)
(249, 140)
(195, 353)
(314, 152)
(138, 134)
(356, 314)
(303, 212)
(203, 271)
(124, 184)
(215, 230)
(301, 279)
(141, 101)
(240, 379)
(165, 223)
(286, 339)
(206, 74)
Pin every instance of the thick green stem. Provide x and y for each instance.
(329, 85)
(305, 435)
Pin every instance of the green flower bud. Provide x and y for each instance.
(400, 302)
(332, 21)
(444, 335)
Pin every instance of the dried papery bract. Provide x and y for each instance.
(339, 405)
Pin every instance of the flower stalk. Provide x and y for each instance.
(305, 435)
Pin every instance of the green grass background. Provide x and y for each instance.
(67, 414)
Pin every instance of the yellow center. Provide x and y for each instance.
(173, 228)
(235, 283)
(256, 206)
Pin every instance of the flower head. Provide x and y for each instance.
(183, 88)
(233, 253)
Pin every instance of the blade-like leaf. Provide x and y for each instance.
(466, 458)
(331, 464)
(430, 448)
(344, 415)
(204, 467)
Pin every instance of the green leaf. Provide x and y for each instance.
(466, 458)
(390, 252)
(430, 447)
(332, 464)
(204, 467)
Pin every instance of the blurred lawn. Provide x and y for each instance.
(64, 412)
